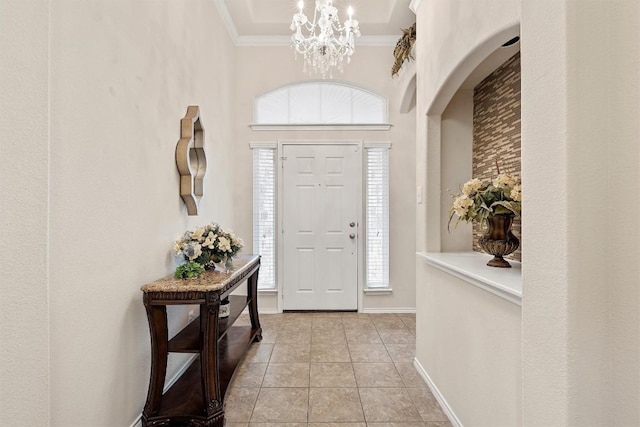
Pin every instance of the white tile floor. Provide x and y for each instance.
(322, 369)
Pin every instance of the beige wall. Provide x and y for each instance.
(580, 104)
(261, 69)
(456, 149)
(122, 74)
(24, 177)
(581, 324)
(469, 345)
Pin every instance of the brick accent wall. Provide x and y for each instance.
(496, 131)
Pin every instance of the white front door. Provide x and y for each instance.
(322, 187)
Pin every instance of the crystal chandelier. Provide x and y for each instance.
(327, 42)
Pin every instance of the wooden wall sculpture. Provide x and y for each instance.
(191, 159)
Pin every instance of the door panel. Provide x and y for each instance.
(321, 199)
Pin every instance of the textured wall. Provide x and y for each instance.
(24, 240)
(475, 352)
(580, 133)
(456, 158)
(496, 132)
(123, 74)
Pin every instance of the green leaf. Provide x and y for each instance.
(190, 269)
(506, 208)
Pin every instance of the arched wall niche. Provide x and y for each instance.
(449, 279)
(467, 65)
(449, 132)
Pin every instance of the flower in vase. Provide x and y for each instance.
(208, 244)
(480, 199)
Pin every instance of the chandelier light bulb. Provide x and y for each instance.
(327, 42)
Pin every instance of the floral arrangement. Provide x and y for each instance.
(479, 200)
(205, 246)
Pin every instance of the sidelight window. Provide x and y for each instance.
(377, 216)
(264, 213)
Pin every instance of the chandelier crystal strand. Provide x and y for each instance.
(327, 42)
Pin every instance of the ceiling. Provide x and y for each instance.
(266, 22)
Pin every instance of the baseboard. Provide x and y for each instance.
(138, 421)
(439, 397)
(388, 310)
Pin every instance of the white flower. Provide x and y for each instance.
(198, 234)
(224, 244)
(504, 180)
(235, 240)
(516, 193)
(471, 186)
(209, 242)
(461, 205)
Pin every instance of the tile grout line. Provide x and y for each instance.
(341, 327)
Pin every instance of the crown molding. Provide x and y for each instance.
(228, 22)
(414, 5)
(286, 41)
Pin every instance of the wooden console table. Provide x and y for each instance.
(197, 397)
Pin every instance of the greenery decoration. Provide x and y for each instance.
(188, 270)
(402, 51)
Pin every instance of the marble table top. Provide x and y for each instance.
(211, 280)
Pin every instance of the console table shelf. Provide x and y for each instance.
(197, 397)
(188, 339)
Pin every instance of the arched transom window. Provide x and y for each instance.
(324, 103)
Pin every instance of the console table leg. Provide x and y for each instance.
(157, 317)
(209, 362)
(252, 288)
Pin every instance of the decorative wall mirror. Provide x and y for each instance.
(191, 159)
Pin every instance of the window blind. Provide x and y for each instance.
(264, 214)
(320, 102)
(377, 218)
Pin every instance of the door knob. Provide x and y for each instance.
(352, 236)
(352, 224)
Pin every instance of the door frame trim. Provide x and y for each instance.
(280, 190)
